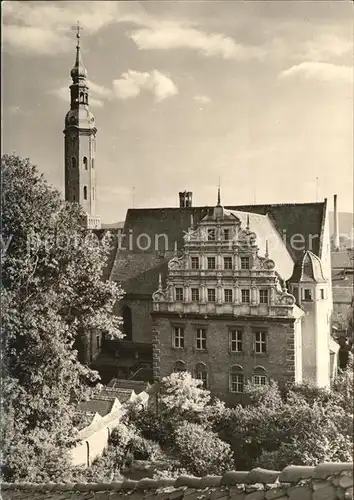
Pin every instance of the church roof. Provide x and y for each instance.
(308, 269)
(138, 270)
(295, 481)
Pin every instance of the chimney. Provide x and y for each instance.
(336, 224)
(185, 199)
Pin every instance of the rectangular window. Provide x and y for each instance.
(236, 382)
(263, 296)
(245, 262)
(227, 262)
(201, 339)
(195, 262)
(245, 296)
(195, 294)
(226, 234)
(235, 338)
(307, 294)
(322, 292)
(179, 293)
(259, 379)
(211, 262)
(211, 294)
(260, 342)
(228, 294)
(178, 337)
(211, 234)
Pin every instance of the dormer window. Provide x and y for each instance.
(226, 234)
(211, 234)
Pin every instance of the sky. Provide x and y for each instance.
(259, 94)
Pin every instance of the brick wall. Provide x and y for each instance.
(279, 361)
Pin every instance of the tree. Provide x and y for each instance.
(304, 426)
(52, 295)
(201, 451)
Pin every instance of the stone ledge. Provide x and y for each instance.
(327, 480)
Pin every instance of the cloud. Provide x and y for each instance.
(320, 71)
(133, 82)
(35, 40)
(202, 98)
(45, 27)
(169, 36)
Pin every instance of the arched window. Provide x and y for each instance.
(259, 376)
(179, 367)
(85, 192)
(73, 162)
(237, 379)
(82, 97)
(84, 161)
(127, 323)
(92, 163)
(201, 373)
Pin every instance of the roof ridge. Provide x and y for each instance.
(229, 206)
(292, 474)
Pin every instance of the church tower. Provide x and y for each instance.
(80, 144)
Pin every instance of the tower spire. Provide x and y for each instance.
(79, 71)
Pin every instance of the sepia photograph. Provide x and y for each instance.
(177, 250)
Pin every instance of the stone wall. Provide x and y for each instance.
(326, 481)
(278, 362)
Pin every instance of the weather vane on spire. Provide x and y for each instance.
(77, 28)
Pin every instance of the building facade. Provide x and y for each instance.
(80, 145)
(226, 316)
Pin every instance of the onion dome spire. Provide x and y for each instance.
(79, 71)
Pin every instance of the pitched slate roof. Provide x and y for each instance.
(266, 233)
(97, 405)
(325, 481)
(138, 270)
(342, 260)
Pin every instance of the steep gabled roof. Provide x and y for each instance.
(138, 269)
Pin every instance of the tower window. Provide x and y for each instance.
(93, 193)
(84, 161)
(85, 192)
(93, 163)
(307, 294)
(73, 162)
